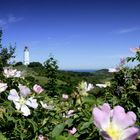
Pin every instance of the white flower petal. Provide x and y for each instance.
(101, 85)
(70, 113)
(3, 87)
(65, 96)
(72, 131)
(40, 137)
(13, 95)
(89, 87)
(44, 105)
(32, 102)
(24, 91)
(17, 104)
(49, 107)
(25, 110)
(9, 72)
(18, 74)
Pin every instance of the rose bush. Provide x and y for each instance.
(28, 111)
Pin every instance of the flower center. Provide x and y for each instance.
(113, 132)
(22, 101)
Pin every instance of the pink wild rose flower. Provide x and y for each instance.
(72, 131)
(3, 87)
(115, 124)
(9, 72)
(135, 50)
(37, 88)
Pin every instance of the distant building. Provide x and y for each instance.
(26, 58)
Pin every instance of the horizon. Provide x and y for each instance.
(80, 34)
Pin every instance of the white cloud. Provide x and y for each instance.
(12, 19)
(127, 30)
(9, 19)
(115, 56)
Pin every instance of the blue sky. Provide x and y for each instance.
(80, 34)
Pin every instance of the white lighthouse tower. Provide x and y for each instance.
(26, 56)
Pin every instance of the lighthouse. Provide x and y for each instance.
(26, 56)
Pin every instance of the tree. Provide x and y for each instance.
(5, 53)
(18, 64)
(35, 64)
(51, 73)
(0, 38)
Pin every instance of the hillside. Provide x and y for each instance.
(39, 75)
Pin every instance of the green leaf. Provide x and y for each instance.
(133, 59)
(89, 100)
(44, 121)
(85, 125)
(60, 138)
(33, 124)
(71, 138)
(2, 137)
(9, 118)
(58, 129)
(128, 59)
(69, 122)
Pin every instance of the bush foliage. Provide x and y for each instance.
(64, 110)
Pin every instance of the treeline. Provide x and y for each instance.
(98, 76)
